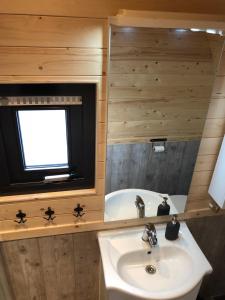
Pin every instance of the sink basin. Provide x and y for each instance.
(120, 205)
(167, 262)
(171, 270)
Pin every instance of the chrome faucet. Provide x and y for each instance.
(149, 235)
(140, 207)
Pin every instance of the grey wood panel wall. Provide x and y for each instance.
(138, 166)
(209, 234)
(64, 267)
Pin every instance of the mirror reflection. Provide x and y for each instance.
(160, 83)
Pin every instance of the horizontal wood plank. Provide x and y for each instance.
(210, 146)
(201, 178)
(156, 110)
(52, 61)
(164, 54)
(64, 205)
(214, 128)
(216, 109)
(205, 162)
(44, 31)
(156, 128)
(126, 65)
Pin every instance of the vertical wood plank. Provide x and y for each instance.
(87, 266)
(23, 263)
(5, 288)
(58, 266)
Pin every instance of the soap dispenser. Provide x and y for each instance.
(172, 229)
(163, 208)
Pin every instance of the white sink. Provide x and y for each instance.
(120, 205)
(180, 265)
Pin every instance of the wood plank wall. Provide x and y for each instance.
(138, 166)
(210, 144)
(160, 83)
(55, 49)
(53, 268)
(209, 234)
(69, 57)
(119, 108)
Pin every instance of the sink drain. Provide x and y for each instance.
(150, 269)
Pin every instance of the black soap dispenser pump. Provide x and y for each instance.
(172, 229)
(163, 208)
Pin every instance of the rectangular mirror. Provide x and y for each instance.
(160, 84)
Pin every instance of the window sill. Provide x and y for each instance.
(46, 196)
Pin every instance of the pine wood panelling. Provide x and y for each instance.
(134, 92)
(50, 61)
(216, 109)
(146, 110)
(209, 146)
(61, 221)
(147, 66)
(105, 8)
(172, 129)
(42, 31)
(213, 133)
(205, 162)
(35, 208)
(160, 84)
(148, 40)
(56, 49)
(214, 128)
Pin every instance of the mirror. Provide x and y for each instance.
(160, 84)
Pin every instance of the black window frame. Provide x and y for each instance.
(81, 133)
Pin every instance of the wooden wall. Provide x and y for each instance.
(53, 268)
(58, 41)
(160, 83)
(36, 48)
(209, 234)
(132, 74)
(66, 41)
(213, 133)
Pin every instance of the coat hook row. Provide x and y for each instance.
(78, 212)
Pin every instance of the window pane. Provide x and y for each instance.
(44, 138)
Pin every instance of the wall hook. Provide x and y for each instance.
(21, 216)
(50, 214)
(78, 211)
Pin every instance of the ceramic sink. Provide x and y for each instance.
(133, 270)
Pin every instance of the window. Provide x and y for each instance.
(43, 144)
(47, 139)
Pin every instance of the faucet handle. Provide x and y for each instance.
(150, 227)
(150, 235)
(139, 202)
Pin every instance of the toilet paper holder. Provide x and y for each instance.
(159, 145)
